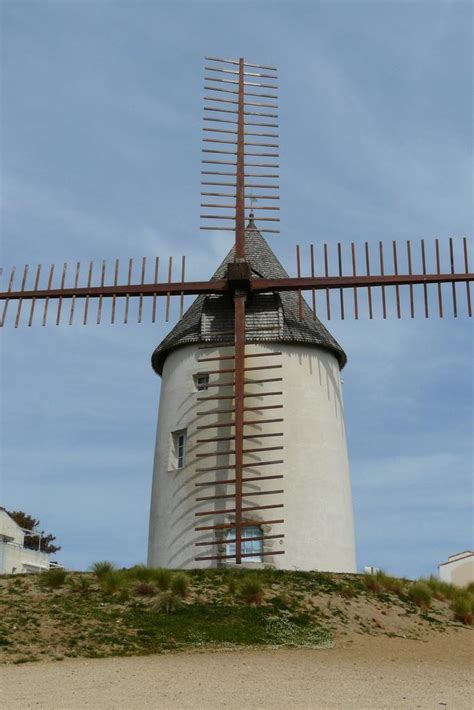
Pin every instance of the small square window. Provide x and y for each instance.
(201, 382)
(179, 449)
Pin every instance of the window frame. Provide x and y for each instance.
(201, 386)
(254, 546)
(179, 440)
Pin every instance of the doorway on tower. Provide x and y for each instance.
(252, 543)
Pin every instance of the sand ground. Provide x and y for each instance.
(363, 672)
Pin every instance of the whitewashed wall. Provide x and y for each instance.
(317, 510)
(10, 529)
(16, 559)
(459, 570)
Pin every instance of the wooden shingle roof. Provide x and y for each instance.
(210, 316)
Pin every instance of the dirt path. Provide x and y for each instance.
(365, 673)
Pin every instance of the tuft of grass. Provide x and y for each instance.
(102, 568)
(420, 594)
(371, 583)
(180, 585)
(53, 578)
(111, 581)
(381, 582)
(144, 589)
(251, 590)
(441, 590)
(394, 585)
(347, 591)
(124, 595)
(80, 584)
(232, 584)
(462, 607)
(282, 600)
(162, 578)
(142, 573)
(167, 602)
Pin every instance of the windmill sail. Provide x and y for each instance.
(240, 153)
(390, 286)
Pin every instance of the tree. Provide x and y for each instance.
(27, 522)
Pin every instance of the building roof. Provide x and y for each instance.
(209, 318)
(457, 557)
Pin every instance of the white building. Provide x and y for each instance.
(459, 569)
(314, 494)
(15, 558)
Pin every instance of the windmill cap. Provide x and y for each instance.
(210, 316)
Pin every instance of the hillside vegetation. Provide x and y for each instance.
(141, 611)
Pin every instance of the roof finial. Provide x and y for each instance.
(251, 223)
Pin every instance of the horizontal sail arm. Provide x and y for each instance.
(192, 288)
(305, 283)
(188, 288)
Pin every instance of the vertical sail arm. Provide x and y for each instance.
(239, 319)
(240, 149)
(240, 159)
(240, 180)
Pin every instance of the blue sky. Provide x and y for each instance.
(101, 121)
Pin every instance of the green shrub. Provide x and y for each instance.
(111, 581)
(462, 607)
(53, 578)
(142, 573)
(144, 589)
(420, 594)
(162, 577)
(102, 568)
(180, 585)
(251, 590)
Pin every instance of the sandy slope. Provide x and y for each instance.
(367, 672)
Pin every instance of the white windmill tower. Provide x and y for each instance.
(297, 407)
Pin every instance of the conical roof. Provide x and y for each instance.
(211, 317)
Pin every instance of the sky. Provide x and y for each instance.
(101, 117)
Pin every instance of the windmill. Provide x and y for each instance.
(243, 368)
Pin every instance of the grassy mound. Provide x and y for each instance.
(140, 610)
